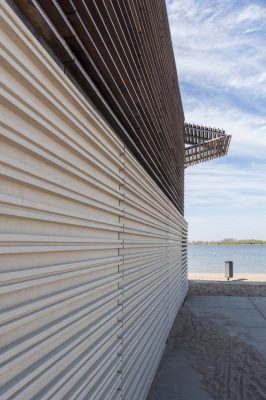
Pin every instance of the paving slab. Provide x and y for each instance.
(249, 317)
(260, 304)
(216, 350)
(253, 337)
(219, 301)
(178, 379)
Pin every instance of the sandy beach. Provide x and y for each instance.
(205, 284)
(219, 277)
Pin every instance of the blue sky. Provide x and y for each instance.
(220, 52)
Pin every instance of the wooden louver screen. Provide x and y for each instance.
(204, 144)
(119, 55)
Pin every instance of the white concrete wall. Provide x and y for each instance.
(92, 265)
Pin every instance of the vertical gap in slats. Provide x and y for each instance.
(121, 271)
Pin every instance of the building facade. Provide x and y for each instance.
(93, 237)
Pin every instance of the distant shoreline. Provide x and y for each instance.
(223, 243)
(226, 244)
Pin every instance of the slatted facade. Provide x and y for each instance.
(204, 144)
(93, 262)
(120, 54)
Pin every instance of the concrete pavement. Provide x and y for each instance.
(216, 350)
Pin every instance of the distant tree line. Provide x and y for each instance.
(230, 241)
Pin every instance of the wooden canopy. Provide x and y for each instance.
(204, 144)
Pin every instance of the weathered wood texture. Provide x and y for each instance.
(205, 144)
(120, 54)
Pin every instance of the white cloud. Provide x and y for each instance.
(210, 40)
(220, 54)
(224, 200)
(250, 14)
(210, 184)
(218, 227)
(248, 129)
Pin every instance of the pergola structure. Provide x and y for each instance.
(204, 144)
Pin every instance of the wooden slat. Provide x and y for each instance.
(205, 144)
(120, 54)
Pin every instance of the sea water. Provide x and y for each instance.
(211, 258)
